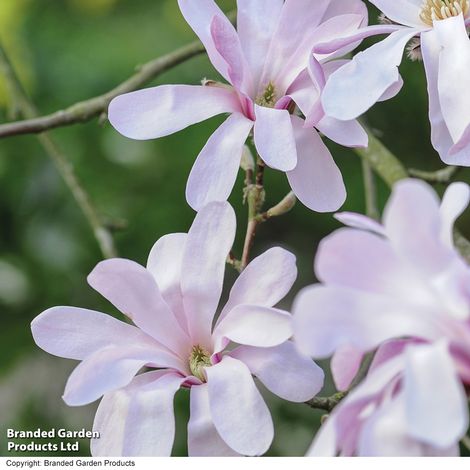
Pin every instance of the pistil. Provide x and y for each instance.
(198, 361)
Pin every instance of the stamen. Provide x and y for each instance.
(436, 10)
(198, 361)
(269, 97)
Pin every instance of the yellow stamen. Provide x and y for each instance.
(436, 10)
(198, 361)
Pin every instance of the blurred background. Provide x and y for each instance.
(70, 50)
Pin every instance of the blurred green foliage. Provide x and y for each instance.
(70, 50)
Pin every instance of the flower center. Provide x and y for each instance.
(435, 10)
(269, 97)
(198, 361)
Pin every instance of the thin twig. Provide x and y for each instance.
(84, 111)
(287, 203)
(326, 403)
(370, 190)
(27, 108)
(444, 175)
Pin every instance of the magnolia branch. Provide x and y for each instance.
(84, 111)
(27, 109)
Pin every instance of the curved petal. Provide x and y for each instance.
(264, 282)
(199, 16)
(238, 410)
(254, 325)
(215, 170)
(164, 263)
(228, 45)
(133, 290)
(110, 369)
(454, 202)
(422, 247)
(283, 370)
(326, 318)
(203, 438)
(347, 133)
(256, 23)
(345, 365)
(359, 221)
(316, 180)
(274, 138)
(402, 11)
(370, 74)
(138, 420)
(431, 383)
(159, 111)
(75, 333)
(208, 244)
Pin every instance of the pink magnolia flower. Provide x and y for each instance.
(400, 279)
(412, 403)
(265, 63)
(172, 304)
(440, 26)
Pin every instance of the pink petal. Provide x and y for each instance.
(254, 325)
(133, 290)
(209, 241)
(351, 219)
(274, 138)
(454, 202)
(156, 112)
(75, 333)
(256, 23)
(264, 282)
(138, 420)
(436, 402)
(110, 369)
(405, 12)
(347, 133)
(238, 410)
(345, 365)
(370, 74)
(326, 318)
(199, 16)
(283, 370)
(164, 263)
(228, 45)
(421, 246)
(389, 350)
(203, 438)
(316, 180)
(215, 171)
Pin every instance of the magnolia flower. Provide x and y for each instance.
(265, 62)
(172, 304)
(402, 279)
(440, 26)
(411, 404)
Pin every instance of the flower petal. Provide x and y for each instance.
(256, 23)
(159, 111)
(283, 370)
(215, 171)
(431, 383)
(110, 369)
(405, 12)
(199, 16)
(274, 138)
(370, 74)
(133, 290)
(238, 410)
(326, 318)
(164, 263)
(209, 241)
(254, 325)
(138, 420)
(316, 180)
(347, 133)
(362, 222)
(264, 282)
(345, 365)
(203, 438)
(454, 202)
(75, 333)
